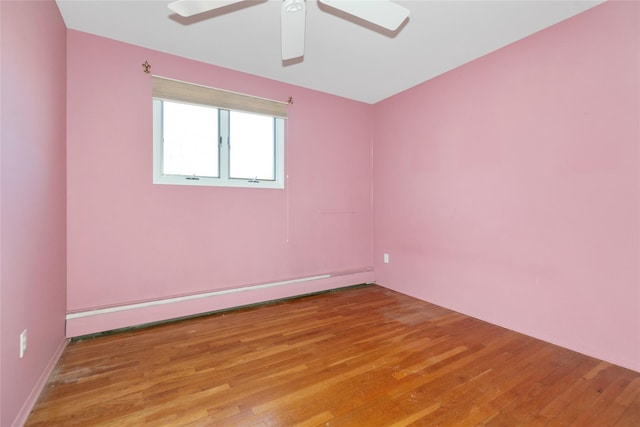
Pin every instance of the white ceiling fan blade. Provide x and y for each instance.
(383, 13)
(188, 8)
(292, 26)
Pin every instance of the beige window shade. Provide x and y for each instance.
(175, 90)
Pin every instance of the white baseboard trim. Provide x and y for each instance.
(31, 401)
(126, 315)
(189, 297)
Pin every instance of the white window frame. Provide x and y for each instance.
(228, 99)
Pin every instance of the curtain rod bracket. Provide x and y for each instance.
(290, 100)
(146, 67)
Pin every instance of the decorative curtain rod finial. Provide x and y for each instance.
(146, 67)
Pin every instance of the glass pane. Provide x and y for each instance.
(252, 146)
(190, 144)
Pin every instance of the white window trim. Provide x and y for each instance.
(223, 180)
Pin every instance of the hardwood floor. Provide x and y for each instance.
(363, 356)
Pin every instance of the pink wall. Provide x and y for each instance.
(32, 200)
(508, 189)
(131, 241)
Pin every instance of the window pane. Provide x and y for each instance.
(252, 146)
(190, 145)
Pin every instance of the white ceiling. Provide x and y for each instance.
(343, 56)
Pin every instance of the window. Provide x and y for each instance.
(197, 141)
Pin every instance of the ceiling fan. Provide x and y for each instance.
(382, 13)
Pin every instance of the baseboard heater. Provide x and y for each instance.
(174, 300)
(110, 318)
(179, 299)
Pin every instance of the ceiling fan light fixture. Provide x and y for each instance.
(292, 28)
(383, 13)
(292, 6)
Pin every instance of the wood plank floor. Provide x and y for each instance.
(363, 356)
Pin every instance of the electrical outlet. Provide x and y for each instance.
(23, 343)
(386, 258)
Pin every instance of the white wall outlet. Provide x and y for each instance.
(386, 258)
(23, 343)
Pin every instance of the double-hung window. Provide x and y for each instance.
(205, 136)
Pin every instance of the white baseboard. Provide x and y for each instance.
(31, 401)
(103, 319)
